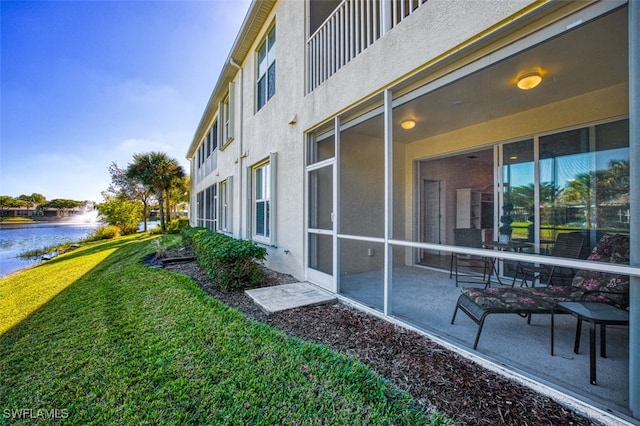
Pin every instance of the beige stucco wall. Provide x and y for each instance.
(268, 131)
(438, 26)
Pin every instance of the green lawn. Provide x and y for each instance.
(95, 337)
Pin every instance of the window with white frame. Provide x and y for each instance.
(207, 142)
(266, 78)
(225, 217)
(263, 201)
(208, 213)
(214, 136)
(227, 117)
(200, 208)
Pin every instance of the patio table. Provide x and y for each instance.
(516, 246)
(595, 313)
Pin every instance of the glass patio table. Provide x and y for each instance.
(595, 313)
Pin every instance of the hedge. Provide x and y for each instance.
(229, 262)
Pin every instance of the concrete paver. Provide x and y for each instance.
(289, 296)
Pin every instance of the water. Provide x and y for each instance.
(19, 238)
(16, 239)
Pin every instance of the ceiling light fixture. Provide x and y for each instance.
(408, 124)
(528, 81)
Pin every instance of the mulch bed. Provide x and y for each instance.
(435, 376)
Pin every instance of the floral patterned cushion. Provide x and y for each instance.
(586, 285)
(602, 286)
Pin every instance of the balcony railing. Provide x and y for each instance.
(352, 27)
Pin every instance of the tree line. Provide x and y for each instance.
(150, 179)
(37, 202)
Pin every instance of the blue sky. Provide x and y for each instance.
(85, 83)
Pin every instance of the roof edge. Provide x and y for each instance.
(253, 21)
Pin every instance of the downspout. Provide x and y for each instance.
(240, 149)
(634, 225)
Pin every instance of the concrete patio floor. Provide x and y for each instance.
(425, 299)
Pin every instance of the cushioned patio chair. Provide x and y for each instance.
(524, 301)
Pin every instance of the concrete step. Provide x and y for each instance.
(289, 296)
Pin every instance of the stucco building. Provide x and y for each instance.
(351, 138)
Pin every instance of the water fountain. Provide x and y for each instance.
(89, 215)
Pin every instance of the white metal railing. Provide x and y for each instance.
(352, 27)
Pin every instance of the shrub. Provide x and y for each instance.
(104, 233)
(229, 262)
(175, 225)
(123, 213)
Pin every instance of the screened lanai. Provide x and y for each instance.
(390, 180)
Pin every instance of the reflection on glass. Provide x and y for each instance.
(519, 188)
(612, 176)
(565, 194)
(584, 180)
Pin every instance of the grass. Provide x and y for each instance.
(95, 337)
(15, 219)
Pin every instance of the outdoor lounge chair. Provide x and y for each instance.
(524, 301)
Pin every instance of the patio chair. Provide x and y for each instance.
(466, 267)
(524, 301)
(567, 245)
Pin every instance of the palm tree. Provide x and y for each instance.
(156, 171)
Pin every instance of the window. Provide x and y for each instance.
(226, 116)
(207, 208)
(266, 86)
(262, 201)
(225, 216)
(207, 142)
(263, 197)
(214, 136)
(582, 183)
(225, 119)
(200, 203)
